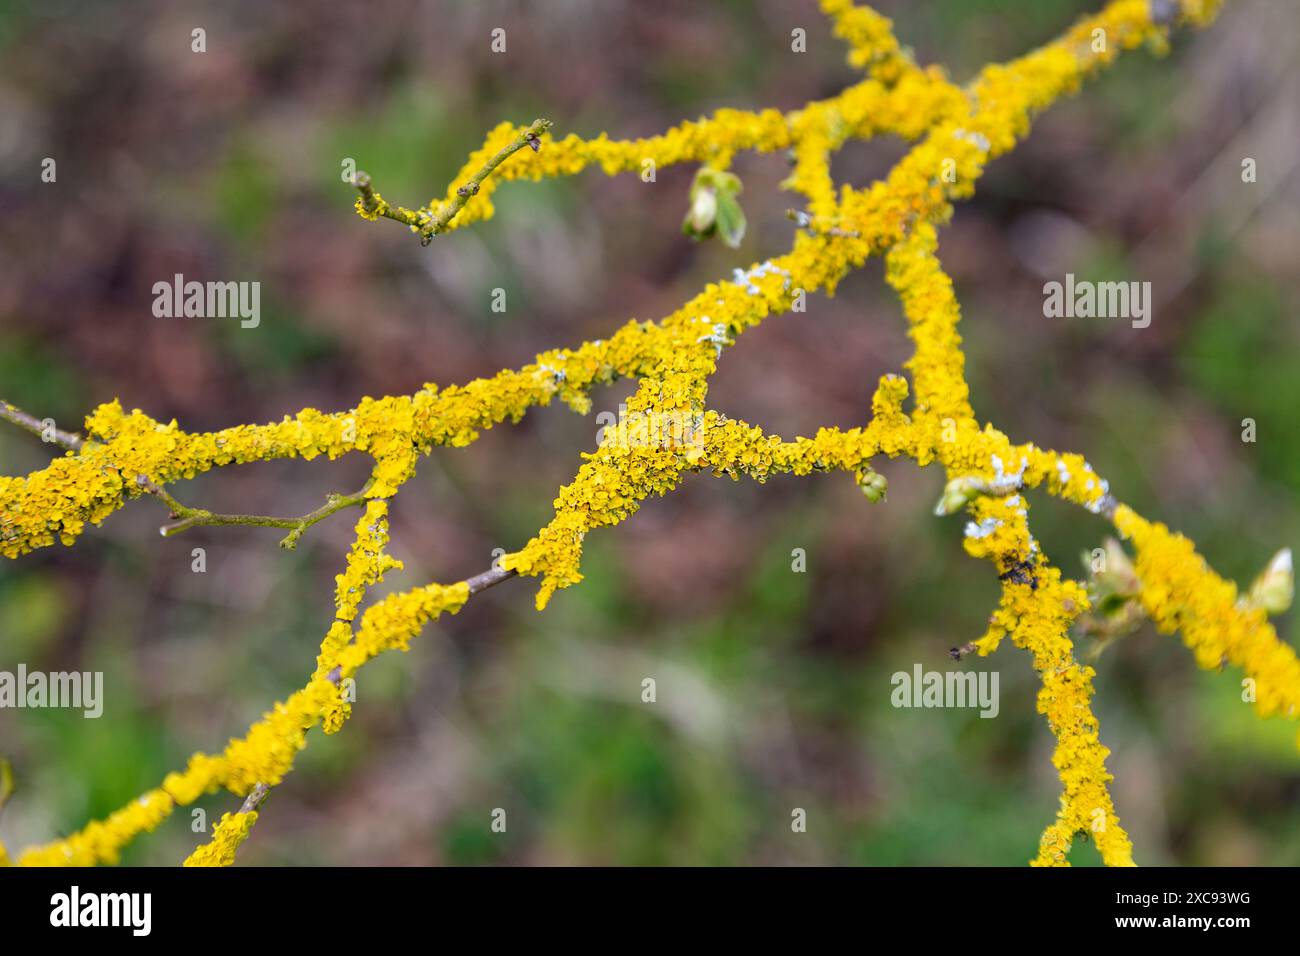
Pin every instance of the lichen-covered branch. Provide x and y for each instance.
(427, 223)
(956, 131)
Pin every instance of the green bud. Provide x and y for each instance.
(1113, 587)
(1274, 589)
(702, 218)
(872, 484)
(957, 494)
(715, 208)
(1118, 564)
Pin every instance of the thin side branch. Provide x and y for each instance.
(68, 440)
(490, 578)
(428, 223)
(201, 517)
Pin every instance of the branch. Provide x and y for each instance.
(426, 222)
(201, 517)
(194, 517)
(1037, 604)
(255, 798)
(488, 579)
(477, 584)
(74, 442)
(31, 423)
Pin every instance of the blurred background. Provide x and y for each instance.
(773, 686)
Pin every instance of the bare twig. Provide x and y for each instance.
(489, 578)
(428, 223)
(255, 798)
(201, 517)
(31, 423)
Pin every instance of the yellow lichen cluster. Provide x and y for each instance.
(1181, 593)
(958, 131)
(230, 832)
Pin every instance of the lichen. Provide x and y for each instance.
(956, 131)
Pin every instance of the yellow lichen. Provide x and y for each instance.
(669, 430)
(226, 839)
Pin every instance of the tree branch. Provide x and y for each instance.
(69, 440)
(489, 578)
(428, 223)
(255, 798)
(477, 584)
(194, 517)
(201, 517)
